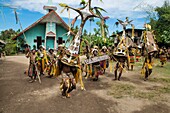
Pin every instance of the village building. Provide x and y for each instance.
(49, 31)
(137, 34)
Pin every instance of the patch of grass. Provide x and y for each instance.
(162, 71)
(160, 80)
(165, 89)
(154, 94)
(157, 69)
(144, 95)
(160, 75)
(151, 93)
(139, 64)
(121, 90)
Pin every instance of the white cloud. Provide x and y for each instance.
(115, 8)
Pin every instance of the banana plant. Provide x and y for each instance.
(103, 28)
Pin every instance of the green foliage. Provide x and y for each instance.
(63, 5)
(7, 34)
(101, 28)
(161, 25)
(98, 11)
(97, 38)
(166, 36)
(101, 0)
(21, 42)
(75, 30)
(85, 33)
(11, 45)
(83, 2)
(11, 48)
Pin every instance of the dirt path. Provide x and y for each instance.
(17, 95)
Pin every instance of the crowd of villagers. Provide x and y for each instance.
(43, 62)
(66, 61)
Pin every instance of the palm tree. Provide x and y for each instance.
(91, 20)
(85, 32)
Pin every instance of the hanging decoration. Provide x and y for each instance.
(86, 12)
(125, 42)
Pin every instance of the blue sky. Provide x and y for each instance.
(31, 10)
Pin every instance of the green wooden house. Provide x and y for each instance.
(49, 31)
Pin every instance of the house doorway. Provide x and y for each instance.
(50, 42)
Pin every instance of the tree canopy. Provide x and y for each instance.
(11, 45)
(162, 24)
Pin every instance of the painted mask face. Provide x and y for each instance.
(95, 52)
(104, 50)
(121, 51)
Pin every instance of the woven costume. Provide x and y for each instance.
(163, 57)
(52, 63)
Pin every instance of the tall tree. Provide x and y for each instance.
(6, 35)
(161, 24)
(11, 45)
(85, 32)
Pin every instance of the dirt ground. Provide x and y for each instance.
(130, 95)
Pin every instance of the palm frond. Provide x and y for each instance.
(63, 10)
(120, 21)
(98, 12)
(101, 9)
(130, 21)
(107, 29)
(83, 2)
(63, 5)
(101, 1)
